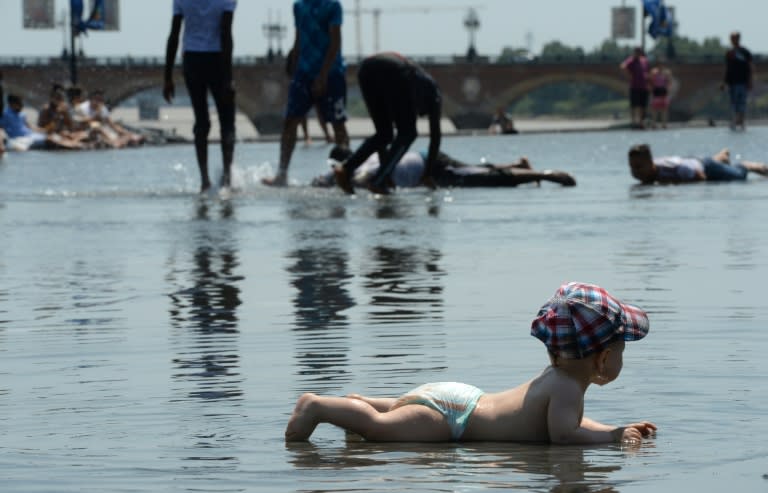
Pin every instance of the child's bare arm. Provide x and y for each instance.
(566, 425)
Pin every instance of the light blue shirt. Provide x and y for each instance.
(202, 22)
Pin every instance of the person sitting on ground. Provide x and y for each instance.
(76, 99)
(55, 119)
(20, 133)
(584, 329)
(676, 169)
(100, 120)
(448, 172)
(502, 123)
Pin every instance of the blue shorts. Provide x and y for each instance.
(455, 401)
(332, 106)
(717, 171)
(738, 94)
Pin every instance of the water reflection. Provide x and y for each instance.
(204, 303)
(403, 280)
(475, 466)
(319, 271)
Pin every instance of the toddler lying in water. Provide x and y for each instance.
(584, 329)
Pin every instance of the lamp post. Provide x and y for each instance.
(72, 53)
(472, 23)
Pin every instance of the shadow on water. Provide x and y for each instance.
(527, 467)
(203, 311)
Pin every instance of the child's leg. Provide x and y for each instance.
(755, 167)
(411, 423)
(724, 156)
(381, 404)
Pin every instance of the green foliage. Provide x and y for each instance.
(710, 48)
(557, 50)
(573, 99)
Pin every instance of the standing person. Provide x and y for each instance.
(660, 81)
(636, 67)
(318, 77)
(739, 76)
(396, 92)
(207, 65)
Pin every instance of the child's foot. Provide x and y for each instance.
(302, 424)
(561, 177)
(724, 156)
(524, 163)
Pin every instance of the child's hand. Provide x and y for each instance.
(634, 432)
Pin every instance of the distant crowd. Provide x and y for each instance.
(68, 120)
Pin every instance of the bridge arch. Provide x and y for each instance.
(519, 90)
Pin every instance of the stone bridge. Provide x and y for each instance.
(471, 91)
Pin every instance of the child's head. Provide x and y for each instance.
(641, 163)
(15, 102)
(582, 320)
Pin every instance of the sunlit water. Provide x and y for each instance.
(151, 340)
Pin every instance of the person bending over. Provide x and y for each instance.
(396, 92)
(584, 329)
(676, 169)
(448, 172)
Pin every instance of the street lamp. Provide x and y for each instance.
(472, 24)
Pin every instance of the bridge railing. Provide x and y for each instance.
(148, 61)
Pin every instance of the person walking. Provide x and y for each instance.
(318, 77)
(739, 78)
(207, 64)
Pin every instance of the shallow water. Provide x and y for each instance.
(151, 340)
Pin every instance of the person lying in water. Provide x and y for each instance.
(447, 172)
(676, 169)
(584, 329)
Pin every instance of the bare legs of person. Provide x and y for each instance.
(305, 129)
(410, 423)
(227, 156)
(724, 156)
(201, 151)
(287, 145)
(755, 167)
(523, 170)
(340, 134)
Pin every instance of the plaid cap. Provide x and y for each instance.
(581, 319)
